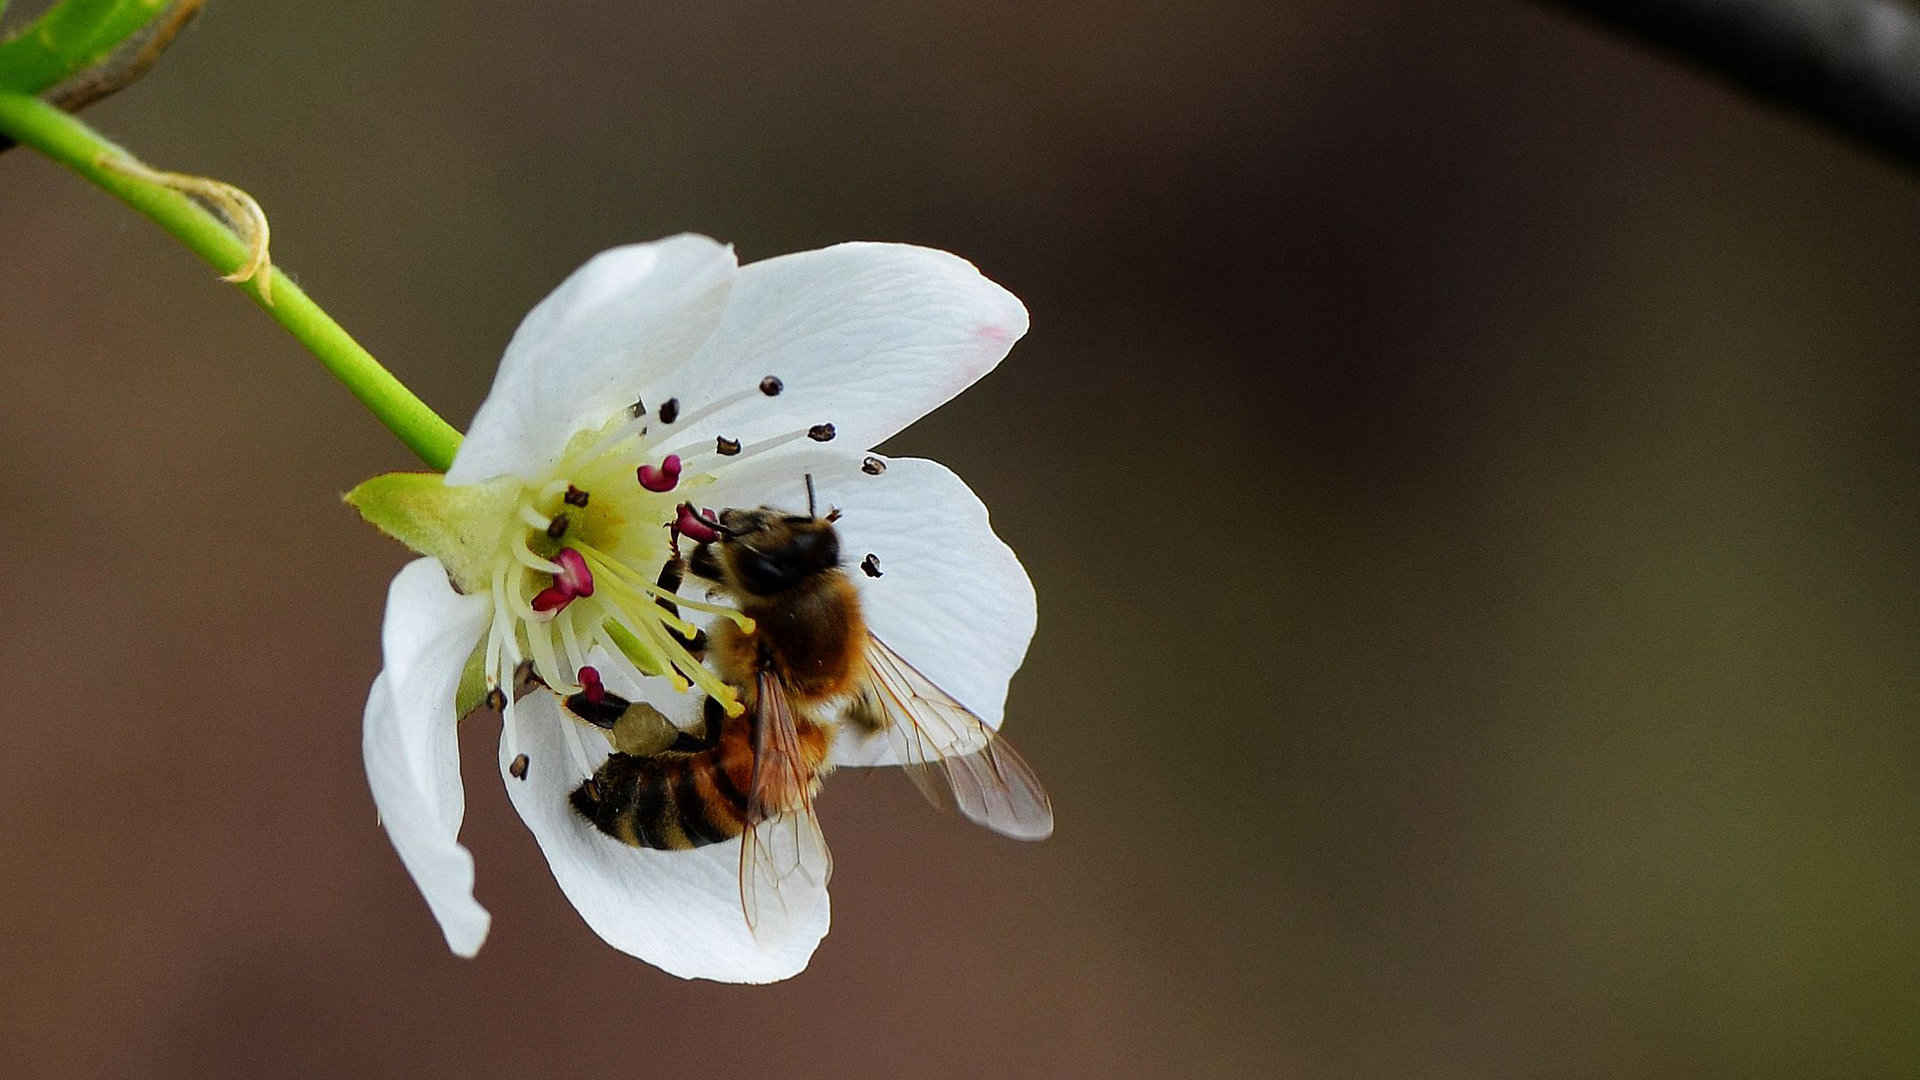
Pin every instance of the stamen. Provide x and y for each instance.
(734, 615)
(680, 665)
(871, 565)
(638, 409)
(526, 557)
(873, 466)
(821, 433)
(591, 686)
(503, 645)
(496, 699)
(534, 518)
(649, 621)
(726, 447)
(573, 576)
(501, 613)
(575, 497)
(771, 386)
(670, 410)
(540, 641)
(763, 446)
(691, 524)
(516, 605)
(518, 768)
(662, 479)
(570, 641)
(629, 586)
(553, 489)
(557, 528)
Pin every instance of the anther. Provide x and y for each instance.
(670, 410)
(871, 565)
(692, 524)
(496, 699)
(663, 478)
(821, 433)
(771, 386)
(638, 409)
(557, 528)
(873, 466)
(594, 690)
(575, 497)
(726, 447)
(574, 577)
(518, 770)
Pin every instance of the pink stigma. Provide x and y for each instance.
(694, 525)
(574, 578)
(663, 478)
(591, 686)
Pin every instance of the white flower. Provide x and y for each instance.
(545, 538)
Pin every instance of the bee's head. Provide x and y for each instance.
(768, 551)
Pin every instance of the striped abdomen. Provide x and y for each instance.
(680, 799)
(674, 799)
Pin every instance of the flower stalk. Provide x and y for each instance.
(67, 140)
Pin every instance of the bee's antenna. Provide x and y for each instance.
(810, 512)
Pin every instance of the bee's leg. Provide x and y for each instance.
(709, 733)
(671, 575)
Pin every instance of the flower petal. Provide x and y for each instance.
(410, 746)
(868, 337)
(951, 598)
(677, 910)
(627, 318)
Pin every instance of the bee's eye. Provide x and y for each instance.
(764, 574)
(816, 549)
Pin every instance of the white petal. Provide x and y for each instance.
(410, 747)
(868, 337)
(952, 599)
(677, 910)
(615, 327)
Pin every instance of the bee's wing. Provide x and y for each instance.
(783, 853)
(951, 756)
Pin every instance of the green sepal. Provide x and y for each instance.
(464, 526)
(472, 691)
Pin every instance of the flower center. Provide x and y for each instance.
(595, 565)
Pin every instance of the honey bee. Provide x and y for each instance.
(808, 667)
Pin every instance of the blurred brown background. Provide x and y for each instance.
(1468, 465)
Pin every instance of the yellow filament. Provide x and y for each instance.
(527, 557)
(679, 658)
(633, 582)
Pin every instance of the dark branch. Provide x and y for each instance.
(1853, 64)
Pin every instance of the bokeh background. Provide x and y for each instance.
(1468, 465)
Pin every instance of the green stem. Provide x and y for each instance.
(62, 137)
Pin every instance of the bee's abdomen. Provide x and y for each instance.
(671, 801)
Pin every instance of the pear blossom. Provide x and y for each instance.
(657, 381)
